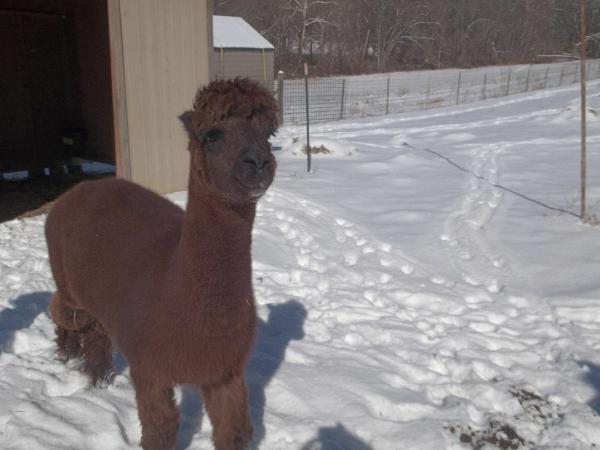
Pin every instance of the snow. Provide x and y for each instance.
(427, 286)
(235, 32)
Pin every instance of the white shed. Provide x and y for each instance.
(240, 50)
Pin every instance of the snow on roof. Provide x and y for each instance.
(235, 32)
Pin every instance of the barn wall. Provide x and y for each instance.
(164, 60)
(245, 63)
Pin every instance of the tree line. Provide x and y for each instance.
(363, 36)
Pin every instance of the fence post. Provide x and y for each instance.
(387, 96)
(562, 74)
(546, 78)
(528, 78)
(343, 95)
(308, 155)
(484, 84)
(508, 81)
(280, 96)
(458, 87)
(428, 95)
(598, 64)
(583, 163)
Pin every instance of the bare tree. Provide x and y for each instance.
(350, 36)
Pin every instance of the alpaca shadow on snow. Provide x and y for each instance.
(592, 376)
(285, 323)
(335, 438)
(21, 315)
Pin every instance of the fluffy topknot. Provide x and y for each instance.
(238, 97)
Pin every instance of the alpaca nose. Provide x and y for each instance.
(255, 158)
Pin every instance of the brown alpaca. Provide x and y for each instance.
(172, 289)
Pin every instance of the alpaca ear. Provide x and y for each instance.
(186, 119)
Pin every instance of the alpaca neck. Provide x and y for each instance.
(215, 243)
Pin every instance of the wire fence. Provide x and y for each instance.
(339, 98)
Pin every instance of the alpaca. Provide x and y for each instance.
(172, 289)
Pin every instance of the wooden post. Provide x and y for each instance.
(458, 87)
(308, 155)
(508, 81)
(583, 49)
(387, 96)
(343, 95)
(280, 75)
(119, 101)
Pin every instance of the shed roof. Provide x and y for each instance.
(235, 32)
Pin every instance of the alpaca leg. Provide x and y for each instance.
(96, 349)
(78, 334)
(227, 407)
(68, 344)
(158, 414)
(67, 316)
(68, 323)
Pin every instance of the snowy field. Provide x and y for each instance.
(426, 287)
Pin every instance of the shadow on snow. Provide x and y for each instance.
(335, 438)
(285, 323)
(592, 376)
(21, 315)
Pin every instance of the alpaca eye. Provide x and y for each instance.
(213, 135)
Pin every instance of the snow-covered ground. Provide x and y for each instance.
(426, 287)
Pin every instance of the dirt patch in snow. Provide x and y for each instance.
(33, 196)
(500, 435)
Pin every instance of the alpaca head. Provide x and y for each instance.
(229, 130)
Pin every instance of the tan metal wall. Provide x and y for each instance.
(164, 58)
(244, 63)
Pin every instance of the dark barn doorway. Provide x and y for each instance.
(56, 103)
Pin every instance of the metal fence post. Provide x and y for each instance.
(428, 95)
(546, 78)
(562, 74)
(458, 87)
(343, 95)
(508, 81)
(583, 163)
(484, 84)
(587, 70)
(280, 96)
(387, 96)
(528, 78)
(308, 155)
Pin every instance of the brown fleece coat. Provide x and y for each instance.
(173, 289)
